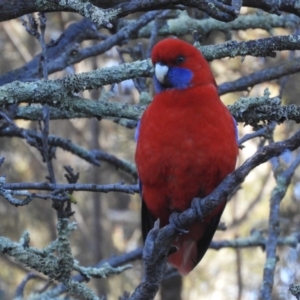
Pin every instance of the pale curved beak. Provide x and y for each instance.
(161, 72)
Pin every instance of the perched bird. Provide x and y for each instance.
(186, 146)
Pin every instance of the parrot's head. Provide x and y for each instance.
(179, 65)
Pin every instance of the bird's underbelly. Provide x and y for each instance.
(172, 179)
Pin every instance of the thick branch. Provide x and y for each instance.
(104, 17)
(44, 186)
(286, 68)
(183, 24)
(111, 10)
(57, 267)
(67, 52)
(54, 91)
(274, 7)
(260, 47)
(248, 110)
(255, 240)
(63, 49)
(256, 109)
(158, 244)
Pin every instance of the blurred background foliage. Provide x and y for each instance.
(109, 224)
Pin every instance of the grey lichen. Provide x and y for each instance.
(102, 272)
(56, 266)
(56, 91)
(183, 23)
(253, 110)
(245, 103)
(101, 17)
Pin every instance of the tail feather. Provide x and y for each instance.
(185, 259)
(193, 245)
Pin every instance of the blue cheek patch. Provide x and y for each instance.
(177, 78)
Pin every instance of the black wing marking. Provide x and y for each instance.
(147, 220)
(204, 242)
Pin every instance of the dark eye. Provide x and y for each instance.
(180, 59)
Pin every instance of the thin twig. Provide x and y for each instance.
(283, 179)
(45, 186)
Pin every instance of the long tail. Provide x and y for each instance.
(193, 245)
(185, 258)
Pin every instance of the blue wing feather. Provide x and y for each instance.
(137, 131)
(236, 129)
(136, 137)
(146, 217)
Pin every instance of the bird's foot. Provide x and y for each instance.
(150, 244)
(196, 206)
(175, 220)
(172, 250)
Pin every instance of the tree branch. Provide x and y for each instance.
(286, 68)
(159, 241)
(255, 109)
(59, 52)
(181, 24)
(250, 110)
(66, 51)
(274, 7)
(283, 178)
(55, 91)
(55, 267)
(44, 186)
(104, 17)
(93, 156)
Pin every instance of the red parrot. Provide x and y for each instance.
(186, 145)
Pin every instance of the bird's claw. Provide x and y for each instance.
(195, 205)
(150, 242)
(172, 250)
(175, 220)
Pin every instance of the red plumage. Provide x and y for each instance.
(186, 147)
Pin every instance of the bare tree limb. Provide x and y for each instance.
(183, 23)
(256, 239)
(274, 7)
(104, 17)
(249, 110)
(54, 91)
(55, 267)
(44, 186)
(286, 68)
(61, 50)
(115, 9)
(66, 51)
(253, 110)
(159, 241)
(283, 178)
